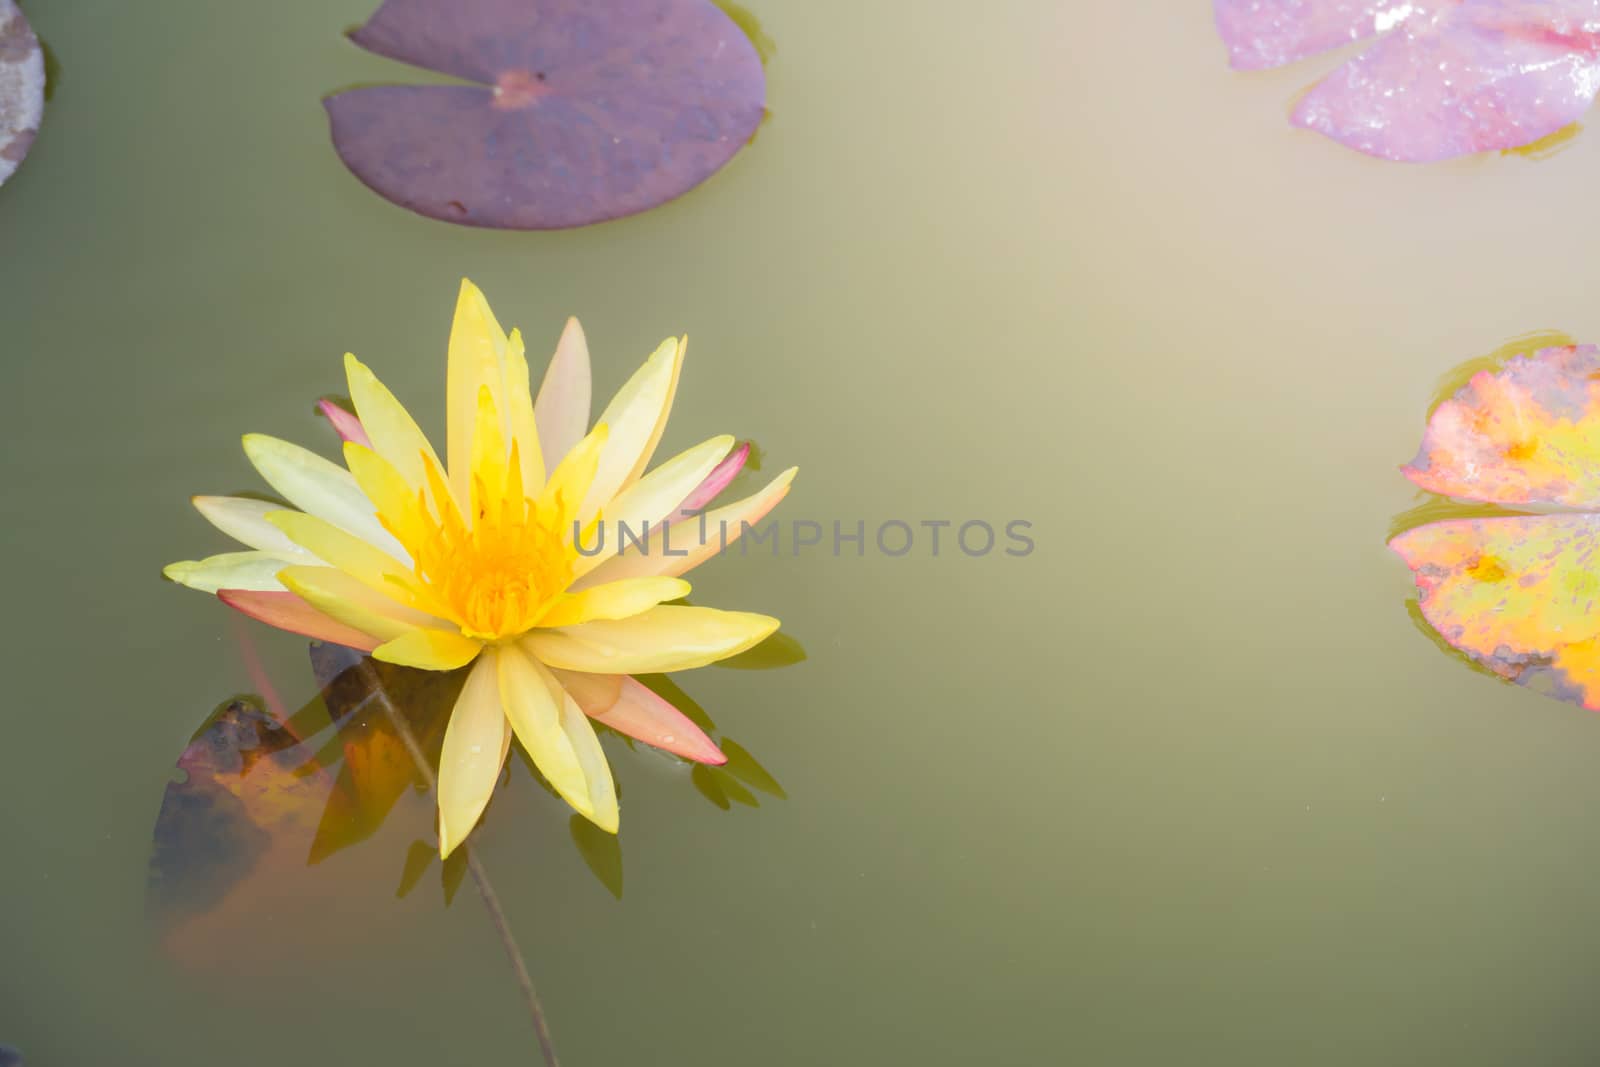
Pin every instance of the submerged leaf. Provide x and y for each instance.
(22, 87)
(584, 110)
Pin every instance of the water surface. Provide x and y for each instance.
(1183, 785)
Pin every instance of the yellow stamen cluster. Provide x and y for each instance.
(494, 576)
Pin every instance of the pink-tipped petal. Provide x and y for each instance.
(630, 707)
(1271, 33)
(561, 410)
(345, 424)
(288, 612)
(1487, 75)
(719, 479)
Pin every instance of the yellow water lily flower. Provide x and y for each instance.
(505, 556)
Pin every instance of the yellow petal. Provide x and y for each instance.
(633, 415)
(596, 771)
(666, 638)
(654, 439)
(245, 520)
(474, 746)
(690, 542)
(391, 429)
(532, 702)
(354, 603)
(429, 650)
(231, 570)
(562, 410)
(618, 600)
(644, 504)
(318, 487)
(379, 570)
(488, 457)
(477, 358)
(520, 420)
(396, 501)
(572, 477)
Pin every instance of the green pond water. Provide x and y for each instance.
(1183, 785)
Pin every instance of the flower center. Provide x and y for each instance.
(493, 578)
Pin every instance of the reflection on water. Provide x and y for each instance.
(601, 852)
(264, 796)
(725, 786)
(779, 650)
(264, 793)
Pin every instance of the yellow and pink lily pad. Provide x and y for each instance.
(1446, 78)
(578, 111)
(1518, 593)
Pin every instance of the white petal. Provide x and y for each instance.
(321, 488)
(244, 520)
(257, 571)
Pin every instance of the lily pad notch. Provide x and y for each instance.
(580, 111)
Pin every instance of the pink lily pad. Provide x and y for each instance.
(1450, 78)
(584, 110)
(21, 87)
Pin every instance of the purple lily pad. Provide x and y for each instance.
(21, 87)
(585, 110)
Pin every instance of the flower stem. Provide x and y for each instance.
(480, 877)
